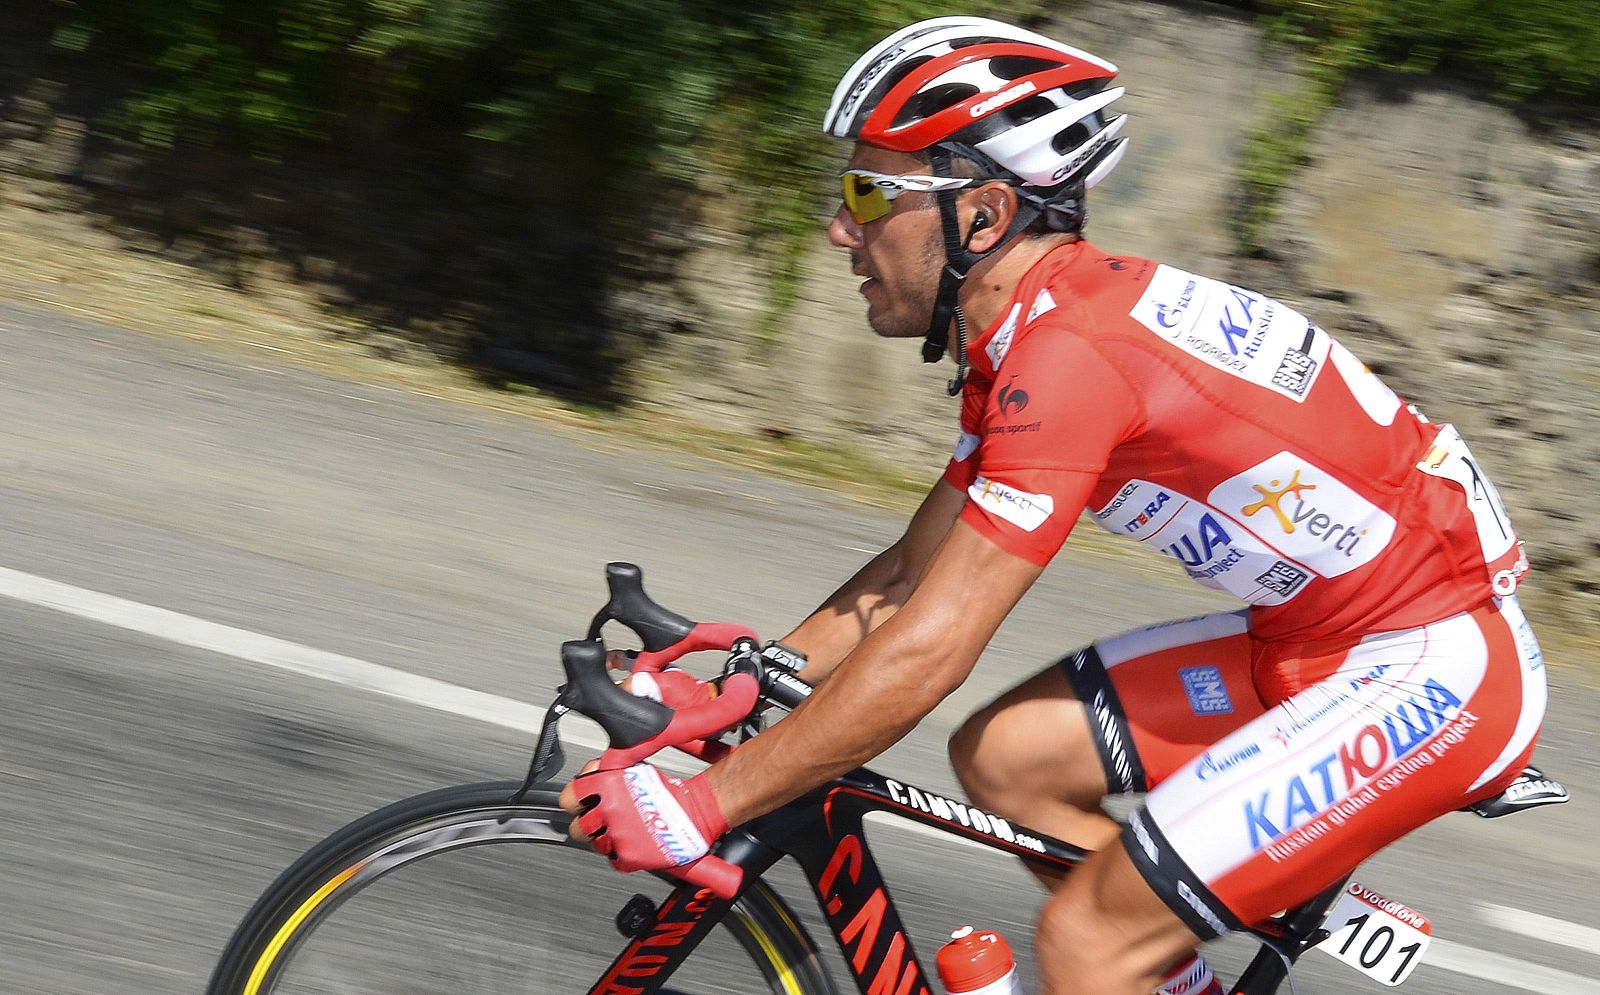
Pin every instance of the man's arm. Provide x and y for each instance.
(897, 674)
(877, 590)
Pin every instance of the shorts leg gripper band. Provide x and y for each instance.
(1172, 880)
(1108, 723)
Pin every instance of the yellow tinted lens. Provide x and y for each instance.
(863, 199)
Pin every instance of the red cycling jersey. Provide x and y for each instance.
(1227, 431)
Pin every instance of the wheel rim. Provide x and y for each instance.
(339, 895)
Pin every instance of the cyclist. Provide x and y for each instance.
(1382, 673)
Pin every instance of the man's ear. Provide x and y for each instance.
(996, 206)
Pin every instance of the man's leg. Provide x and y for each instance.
(1031, 756)
(1112, 718)
(1402, 727)
(1105, 931)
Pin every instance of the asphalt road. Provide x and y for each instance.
(221, 576)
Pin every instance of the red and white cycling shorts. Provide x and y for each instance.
(1263, 795)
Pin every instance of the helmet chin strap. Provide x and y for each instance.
(958, 261)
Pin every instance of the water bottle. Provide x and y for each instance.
(974, 963)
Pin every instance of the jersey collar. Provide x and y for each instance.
(987, 353)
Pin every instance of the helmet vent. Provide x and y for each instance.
(1012, 66)
(900, 72)
(933, 100)
(1071, 138)
(1085, 89)
(1024, 111)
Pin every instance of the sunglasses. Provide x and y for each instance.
(867, 195)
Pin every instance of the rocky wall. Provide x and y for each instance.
(1447, 243)
(1458, 252)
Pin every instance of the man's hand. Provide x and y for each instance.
(672, 687)
(644, 821)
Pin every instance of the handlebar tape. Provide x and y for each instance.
(722, 878)
(737, 700)
(703, 636)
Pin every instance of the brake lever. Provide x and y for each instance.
(656, 627)
(548, 755)
(666, 635)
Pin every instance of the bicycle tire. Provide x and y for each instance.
(445, 821)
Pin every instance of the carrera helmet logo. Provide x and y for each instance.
(1079, 159)
(1003, 98)
(873, 72)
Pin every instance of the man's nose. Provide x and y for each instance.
(843, 230)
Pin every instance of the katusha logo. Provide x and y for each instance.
(1307, 514)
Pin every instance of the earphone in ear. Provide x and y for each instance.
(979, 223)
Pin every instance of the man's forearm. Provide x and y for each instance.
(851, 613)
(877, 590)
(869, 705)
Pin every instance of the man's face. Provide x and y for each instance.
(901, 253)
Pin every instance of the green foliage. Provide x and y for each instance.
(1545, 51)
(624, 113)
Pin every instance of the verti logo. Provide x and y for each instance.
(1273, 500)
(1012, 401)
(1025, 510)
(1341, 537)
(1306, 515)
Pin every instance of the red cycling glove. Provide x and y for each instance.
(644, 821)
(677, 689)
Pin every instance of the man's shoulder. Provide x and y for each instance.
(1086, 286)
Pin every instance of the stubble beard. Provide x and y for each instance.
(908, 311)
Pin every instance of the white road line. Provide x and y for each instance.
(1538, 927)
(1506, 971)
(281, 654)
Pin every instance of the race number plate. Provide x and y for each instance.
(1382, 939)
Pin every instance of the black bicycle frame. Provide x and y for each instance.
(823, 832)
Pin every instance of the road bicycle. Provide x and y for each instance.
(465, 916)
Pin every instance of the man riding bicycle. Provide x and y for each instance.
(1382, 673)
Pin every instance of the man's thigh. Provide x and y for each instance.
(1159, 696)
(1407, 726)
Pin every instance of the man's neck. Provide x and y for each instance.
(993, 281)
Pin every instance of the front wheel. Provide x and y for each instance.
(412, 899)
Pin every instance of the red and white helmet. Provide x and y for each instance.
(1032, 106)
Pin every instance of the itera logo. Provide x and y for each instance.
(1305, 513)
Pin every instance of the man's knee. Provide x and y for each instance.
(1106, 931)
(1072, 944)
(1034, 742)
(979, 767)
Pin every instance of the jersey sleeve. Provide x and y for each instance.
(1046, 431)
(963, 465)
